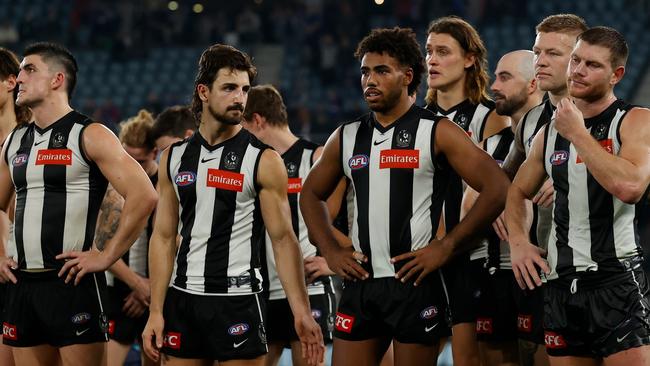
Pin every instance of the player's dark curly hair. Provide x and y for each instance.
(10, 66)
(399, 43)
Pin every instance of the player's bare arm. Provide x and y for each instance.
(481, 173)
(6, 193)
(525, 256)
(272, 178)
(162, 251)
(517, 155)
(131, 182)
(626, 175)
(319, 185)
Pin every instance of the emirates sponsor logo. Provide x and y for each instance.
(399, 159)
(54, 157)
(606, 144)
(295, 185)
(223, 179)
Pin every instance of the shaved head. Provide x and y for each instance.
(522, 61)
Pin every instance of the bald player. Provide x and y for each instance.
(515, 92)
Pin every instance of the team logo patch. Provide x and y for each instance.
(525, 323)
(58, 140)
(344, 322)
(172, 340)
(403, 138)
(429, 312)
(183, 179)
(295, 185)
(222, 179)
(358, 162)
(600, 131)
(463, 121)
(292, 169)
(9, 331)
(80, 318)
(484, 325)
(316, 314)
(231, 161)
(399, 159)
(330, 322)
(559, 157)
(554, 340)
(54, 157)
(606, 144)
(238, 329)
(20, 160)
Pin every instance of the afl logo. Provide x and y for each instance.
(238, 329)
(559, 157)
(184, 179)
(358, 162)
(429, 312)
(20, 160)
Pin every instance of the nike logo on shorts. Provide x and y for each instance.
(380, 142)
(82, 331)
(619, 340)
(236, 345)
(204, 160)
(428, 329)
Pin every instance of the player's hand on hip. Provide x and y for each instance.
(152, 336)
(546, 194)
(316, 267)
(345, 262)
(311, 339)
(526, 259)
(79, 264)
(7, 264)
(421, 262)
(133, 307)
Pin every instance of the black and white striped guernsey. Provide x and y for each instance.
(220, 221)
(472, 118)
(58, 192)
(298, 160)
(495, 251)
(397, 185)
(592, 230)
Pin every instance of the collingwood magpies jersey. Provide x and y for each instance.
(495, 251)
(220, 222)
(592, 230)
(137, 257)
(397, 184)
(472, 118)
(298, 160)
(58, 192)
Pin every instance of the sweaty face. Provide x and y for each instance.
(228, 95)
(34, 81)
(509, 87)
(446, 61)
(590, 74)
(552, 51)
(383, 81)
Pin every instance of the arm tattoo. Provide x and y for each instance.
(109, 217)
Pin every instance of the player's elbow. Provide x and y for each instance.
(628, 192)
